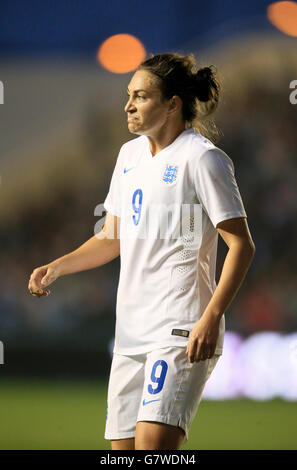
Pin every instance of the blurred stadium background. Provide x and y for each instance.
(64, 79)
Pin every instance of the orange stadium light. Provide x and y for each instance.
(121, 53)
(283, 15)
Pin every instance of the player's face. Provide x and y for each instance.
(146, 112)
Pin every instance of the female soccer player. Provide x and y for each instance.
(171, 193)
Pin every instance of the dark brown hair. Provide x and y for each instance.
(199, 89)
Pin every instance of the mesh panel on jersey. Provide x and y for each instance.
(186, 253)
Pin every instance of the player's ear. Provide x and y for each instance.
(175, 103)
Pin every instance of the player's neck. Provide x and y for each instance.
(163, 138)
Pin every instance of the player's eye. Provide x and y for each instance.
(137, 96)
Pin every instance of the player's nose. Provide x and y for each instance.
(130, 106)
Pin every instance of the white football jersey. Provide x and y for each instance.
(169, 206)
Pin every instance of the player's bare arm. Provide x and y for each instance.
(97, 251)
(203, 338)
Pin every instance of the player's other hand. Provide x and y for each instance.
(203, 338)
(42, 277)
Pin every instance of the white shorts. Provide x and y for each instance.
(160, 386)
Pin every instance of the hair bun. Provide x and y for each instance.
(204, 80)
(205, 73)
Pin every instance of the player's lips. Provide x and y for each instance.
(130, 118)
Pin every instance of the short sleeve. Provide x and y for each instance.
(112, 201)
(216, 186)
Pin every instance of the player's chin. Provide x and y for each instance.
(134, 127)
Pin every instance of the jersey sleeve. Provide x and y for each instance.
(216, 186)
(112, 201)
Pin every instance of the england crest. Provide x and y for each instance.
(170, 173)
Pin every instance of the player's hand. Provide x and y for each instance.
(42, 277)
(203, 338)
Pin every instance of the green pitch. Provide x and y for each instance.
(71, 415)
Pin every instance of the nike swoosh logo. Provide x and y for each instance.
(128, 169)
(150, 401)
